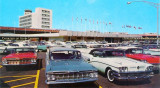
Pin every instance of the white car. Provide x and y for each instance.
(115, 66)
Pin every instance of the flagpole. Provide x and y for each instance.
(103, 30)
(84, 31)
(14, 27)
(72, 29)
(25, 33)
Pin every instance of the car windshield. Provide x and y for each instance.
(80, 46)
(65, 55)
(23, 50)
(108, 54)
(134, 51)
(113, 53)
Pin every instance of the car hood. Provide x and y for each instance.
(70, 65)
(21, 55)
(121, 61)
(149, 58)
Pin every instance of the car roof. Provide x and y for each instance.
(115, 48)
(61, 49)
(19, 47)
(127, 47)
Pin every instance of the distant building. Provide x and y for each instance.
(42, 18)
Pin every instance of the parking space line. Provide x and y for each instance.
(37, 79)
(98, 85)
(18, 76)
(22, 85)
(1, 66)
(18, 79)
(43, 68)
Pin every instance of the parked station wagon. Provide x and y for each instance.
(20, 56)
(65, 65)
(115, 66)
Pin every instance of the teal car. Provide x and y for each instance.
(65, 65)
(42, 47)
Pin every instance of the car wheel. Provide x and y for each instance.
(110, 75)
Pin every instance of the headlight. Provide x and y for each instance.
(123, 69)
(94, 74)
(149, 68)
(4, 61)
(51, 77)
(33, 60)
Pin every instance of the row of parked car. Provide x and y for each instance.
(69, 65)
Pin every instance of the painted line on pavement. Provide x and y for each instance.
(37, 79)
(18, 76)
(18, 79)
(98, 85)
(43, 68)
(22, 85)
(1, 66)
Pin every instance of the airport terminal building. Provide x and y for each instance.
(20, 33)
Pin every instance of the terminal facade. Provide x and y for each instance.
(19, 33)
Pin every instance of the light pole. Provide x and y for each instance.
(156, 5)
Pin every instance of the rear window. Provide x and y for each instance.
(21, 50)
(65, 55)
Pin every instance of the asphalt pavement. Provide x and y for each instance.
(29, 77)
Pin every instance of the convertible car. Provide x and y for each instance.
(138, 54)
(65, 65)
(115, 66)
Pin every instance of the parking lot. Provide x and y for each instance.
(29, 77)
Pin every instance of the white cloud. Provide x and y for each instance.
(91, 1)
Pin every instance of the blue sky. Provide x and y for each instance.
(116, 12)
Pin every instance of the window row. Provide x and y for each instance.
(45, 26)
(29, 23)
(46, 23)
(24, 17)
(45, 11)
(46, 19)
(25, 20)
(45, 15)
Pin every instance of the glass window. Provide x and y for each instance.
(65, 55)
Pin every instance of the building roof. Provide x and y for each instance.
(62, 49)
(28, 29)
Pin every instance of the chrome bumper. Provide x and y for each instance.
(18, 64)
(66, 81)
(133, 76)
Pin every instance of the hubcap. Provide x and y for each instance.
(110, 75)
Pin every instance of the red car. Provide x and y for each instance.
(20, 56)
(138, 54)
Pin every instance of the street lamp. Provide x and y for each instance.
(156, 5)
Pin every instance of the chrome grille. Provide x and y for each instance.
(134, 74)
(18, 61)
(72, 76)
